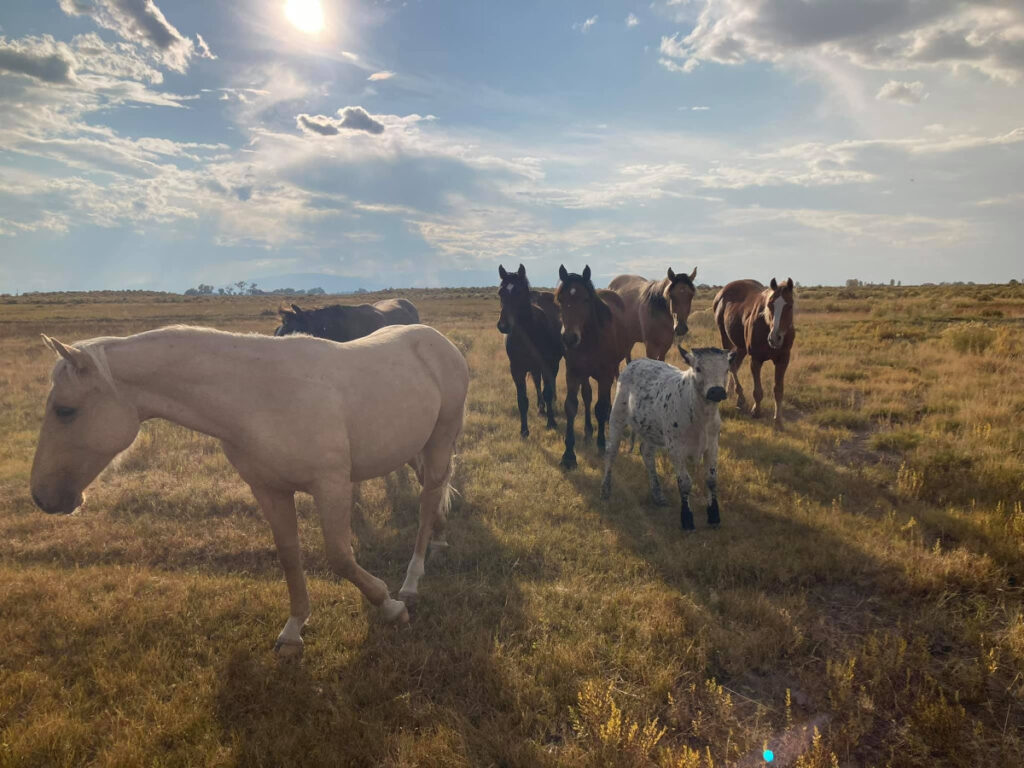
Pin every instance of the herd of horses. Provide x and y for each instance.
(395, 393)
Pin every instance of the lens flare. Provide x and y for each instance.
(305, 15)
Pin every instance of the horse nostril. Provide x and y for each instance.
(716, 394)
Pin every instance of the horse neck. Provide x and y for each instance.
(195, 379)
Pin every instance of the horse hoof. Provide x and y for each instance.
(438, 545)
(288, 649)
(568, 461)
(394, 612)
(525, 433)
(588, 436)
(779, 427)
(409, 598)
(659, 501)
(552, 425)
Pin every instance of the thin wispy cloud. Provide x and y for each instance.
(586, 25)
(632, 20)
(386, 75)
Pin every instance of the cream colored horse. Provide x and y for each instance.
(293, 414)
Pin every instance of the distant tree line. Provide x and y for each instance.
(242, 288)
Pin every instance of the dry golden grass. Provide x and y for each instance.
(861, 604)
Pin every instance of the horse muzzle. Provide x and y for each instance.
(64, 504)
(775, 342)
(571, 340)
(503, 327)
(681, 330)
(716, 394)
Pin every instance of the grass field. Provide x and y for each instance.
(860, 605)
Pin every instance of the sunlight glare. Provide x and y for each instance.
(305, 15)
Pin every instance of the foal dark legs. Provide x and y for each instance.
(549, 397)
(588, 428)
(519, 377)
(540, 398)
(572, 386)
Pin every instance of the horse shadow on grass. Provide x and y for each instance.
(436, 686)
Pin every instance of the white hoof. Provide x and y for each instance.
(287, 649)
(394, 611)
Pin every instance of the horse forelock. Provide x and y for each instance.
(599, 308)
(95, 349)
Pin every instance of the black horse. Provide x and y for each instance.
(531, 327)
(346, 323)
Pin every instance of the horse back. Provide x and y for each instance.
(631, 289)
(398, 311)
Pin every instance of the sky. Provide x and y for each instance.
(151, 144)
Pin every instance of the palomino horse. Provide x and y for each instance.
(656, 310)
(531, 343)
(346, 323)
(594, 334)
(293, 414)
(757, 321)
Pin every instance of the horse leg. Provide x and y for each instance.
(519, 377)
(647, 452)
(435, 499)
(603, 409)
(780, 374)
(572, 386)
(279, 510)
(588, 394)
(334, 504)
(616, 424)
(549, 397)
(755, 371)
(540, 397)
(734, 378)
(685, 484)
(711, 480)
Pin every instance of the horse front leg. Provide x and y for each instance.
(536, 375)
(603, 409)
(549, 396)
(519, 377)
(588, 393)
(334, 504)
(572, 385)
(780, 375)
(755, 372)
(279, 510)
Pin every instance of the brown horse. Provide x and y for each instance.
(531, 342)
(757, 321)
(346, 323)
(596, 342)
(656, 310)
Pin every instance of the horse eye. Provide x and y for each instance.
(64, 413)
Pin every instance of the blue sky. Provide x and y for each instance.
(160, 145)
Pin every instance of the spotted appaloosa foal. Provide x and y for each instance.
(675, 410)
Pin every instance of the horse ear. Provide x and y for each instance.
(693, 274)
(296, 309)
(283, 311)
(586, 272)
(522, 270)
(563, 275)
(76, 357)
(789, 283)
(501, 271)
(774, 284)
(687, 357)
(671, 274)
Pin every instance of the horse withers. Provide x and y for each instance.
(531, 342)
(656, 310)
(293, 414)
(677, 411)
(596, 342)
(339, 322)
(757, 321)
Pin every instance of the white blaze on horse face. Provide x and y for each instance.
(779, 305)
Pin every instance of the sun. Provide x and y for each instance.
(305, 15)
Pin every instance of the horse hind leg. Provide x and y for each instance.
(540, 395)
(334, 504)
(435, 501)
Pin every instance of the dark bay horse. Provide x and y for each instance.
(532, 342)
(596, 342)
(656, 310)
(346, 323)
(757, 321)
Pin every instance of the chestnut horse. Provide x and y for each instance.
(656, 310)
(596, 342)
(531, 342)
(757, 321)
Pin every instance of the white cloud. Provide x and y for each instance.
(350, 118)
(903, 92)
(699, 109)
(40, 58)
(204, 49)
(584, 26)
(893, 35)
(385, 75)
(632, 20)
(140, 22)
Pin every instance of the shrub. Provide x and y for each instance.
(971, 337)
(895, 442)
